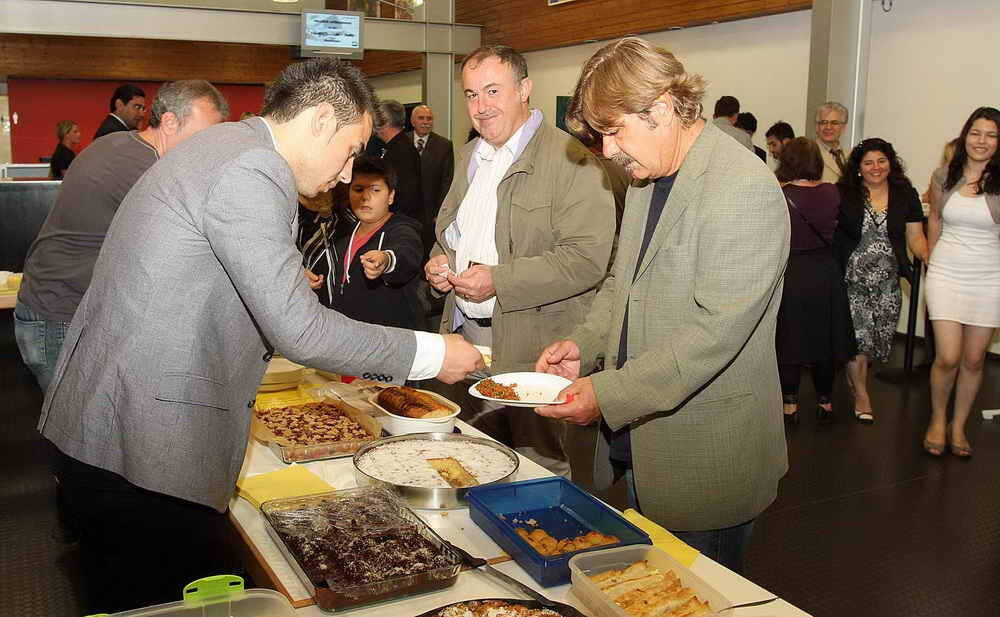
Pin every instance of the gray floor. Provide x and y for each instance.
(38, 571)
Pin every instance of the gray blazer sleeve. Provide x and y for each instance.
(249, 225)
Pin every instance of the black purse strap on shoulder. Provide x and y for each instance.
(806, 221)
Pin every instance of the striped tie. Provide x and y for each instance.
(420, 144)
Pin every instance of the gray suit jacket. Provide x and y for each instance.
(700, 386)
(739, 135)
(197, 283)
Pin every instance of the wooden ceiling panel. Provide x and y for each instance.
(77, 57)
(528, 25)
(525, 25)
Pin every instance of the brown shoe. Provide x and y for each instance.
(934, 449)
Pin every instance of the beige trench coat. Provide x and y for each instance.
(554, 231)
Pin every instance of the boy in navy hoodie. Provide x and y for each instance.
(374, 255)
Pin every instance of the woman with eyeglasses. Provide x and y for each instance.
(880, 216)
(963, 277)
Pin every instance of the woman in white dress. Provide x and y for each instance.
(963, 276)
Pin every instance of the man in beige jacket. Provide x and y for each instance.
(523, 237)
(688, 398)
(831, 119)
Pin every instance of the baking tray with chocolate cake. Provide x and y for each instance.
(359, 546)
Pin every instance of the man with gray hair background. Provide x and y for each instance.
(61, 260)
(403, 157)
(831, 118)
(523, 240)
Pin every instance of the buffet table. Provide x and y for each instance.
(456, 527)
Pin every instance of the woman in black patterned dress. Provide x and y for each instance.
(880, 215)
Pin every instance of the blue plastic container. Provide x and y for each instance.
(559, 507)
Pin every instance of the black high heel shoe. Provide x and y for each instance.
(791, 419)
(824, 416)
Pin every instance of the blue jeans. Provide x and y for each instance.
(726, 546)
(39, 340)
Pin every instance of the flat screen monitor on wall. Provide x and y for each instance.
(333, 33)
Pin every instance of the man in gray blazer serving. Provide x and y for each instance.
(197, 285)
(688, 398)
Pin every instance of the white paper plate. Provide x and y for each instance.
(535, 389)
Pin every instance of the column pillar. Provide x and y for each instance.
(439, 63)
(838, 62)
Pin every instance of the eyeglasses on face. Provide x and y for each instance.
(833, 123)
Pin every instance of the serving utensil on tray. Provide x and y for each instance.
(478, 563)
(726, 610)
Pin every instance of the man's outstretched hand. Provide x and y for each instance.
(460, 359)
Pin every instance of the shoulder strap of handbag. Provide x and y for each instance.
(807, 221)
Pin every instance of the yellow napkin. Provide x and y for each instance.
(293, 481)
(284, 398)
(662, 539)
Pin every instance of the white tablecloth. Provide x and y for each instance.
(456, 527)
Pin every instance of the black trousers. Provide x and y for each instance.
(790, 376)
(139, 548)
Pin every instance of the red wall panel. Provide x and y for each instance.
(41, 103)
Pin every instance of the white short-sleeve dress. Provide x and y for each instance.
(963, 276)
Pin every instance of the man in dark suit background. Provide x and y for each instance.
(403, 158)
(437, 166)
(127, 107)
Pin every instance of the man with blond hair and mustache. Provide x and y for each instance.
(688, 398)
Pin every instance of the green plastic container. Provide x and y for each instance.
(218, 596)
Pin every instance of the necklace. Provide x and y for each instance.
(872, 212)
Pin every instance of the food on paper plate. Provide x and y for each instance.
(453, 472)
(492, 389)
(407, 462)
(411, 403)
(311, 424)
(494, 608)
(541, 541)
(644, 591)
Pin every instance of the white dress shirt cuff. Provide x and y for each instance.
(429, 359)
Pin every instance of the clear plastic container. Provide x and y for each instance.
(585, 565)
(219, 596)
(383, 514)
(556, 505)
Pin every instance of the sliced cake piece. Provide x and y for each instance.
(453, 472)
